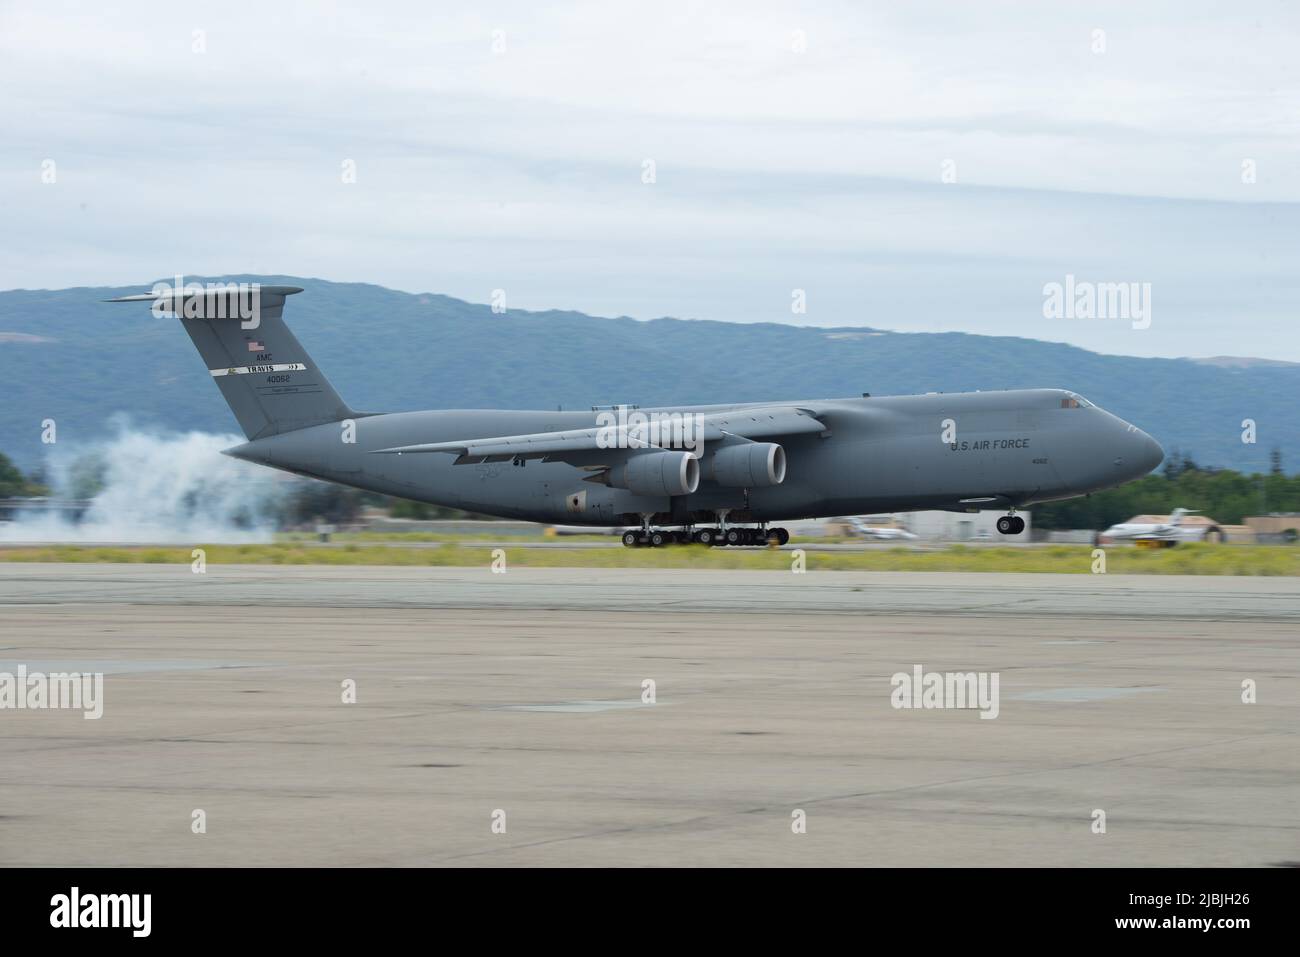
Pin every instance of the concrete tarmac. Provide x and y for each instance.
(523, 693)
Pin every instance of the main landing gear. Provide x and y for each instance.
(1011, 524)
(734, 536)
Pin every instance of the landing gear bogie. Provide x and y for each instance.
(739, 537)
(734, 536)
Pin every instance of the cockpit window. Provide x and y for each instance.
(1073, 401)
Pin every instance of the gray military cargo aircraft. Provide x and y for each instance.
(714, 474)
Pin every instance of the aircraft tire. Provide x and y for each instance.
(631, 539)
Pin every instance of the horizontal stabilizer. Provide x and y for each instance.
(170, 294)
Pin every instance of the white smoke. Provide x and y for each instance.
(163, 488)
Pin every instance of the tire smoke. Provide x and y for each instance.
(154, 487)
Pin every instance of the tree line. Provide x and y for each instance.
(1224, 495)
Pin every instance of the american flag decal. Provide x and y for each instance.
(256, 346)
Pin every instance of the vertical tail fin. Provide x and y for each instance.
(266, 376)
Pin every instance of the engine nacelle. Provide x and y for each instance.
(658, 473)
(747, 465)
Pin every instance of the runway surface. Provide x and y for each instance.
(522, 693)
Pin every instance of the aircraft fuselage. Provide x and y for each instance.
(877, 454)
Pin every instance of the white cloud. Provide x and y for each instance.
(776, 169)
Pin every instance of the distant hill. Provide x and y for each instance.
(65, 355)
(1245, 362)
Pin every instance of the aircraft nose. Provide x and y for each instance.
(1152, 454)
(1141, 452)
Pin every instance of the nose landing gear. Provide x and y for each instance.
(1011, 524)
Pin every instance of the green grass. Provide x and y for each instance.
(1187, 559)
(371, 538)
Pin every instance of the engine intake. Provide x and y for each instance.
(658, 473)
(749, 465)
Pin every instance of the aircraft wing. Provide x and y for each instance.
(607, 443)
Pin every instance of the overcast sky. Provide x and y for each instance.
(796, 146)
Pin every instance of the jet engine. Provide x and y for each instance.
(747, 465)
(657, 473)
